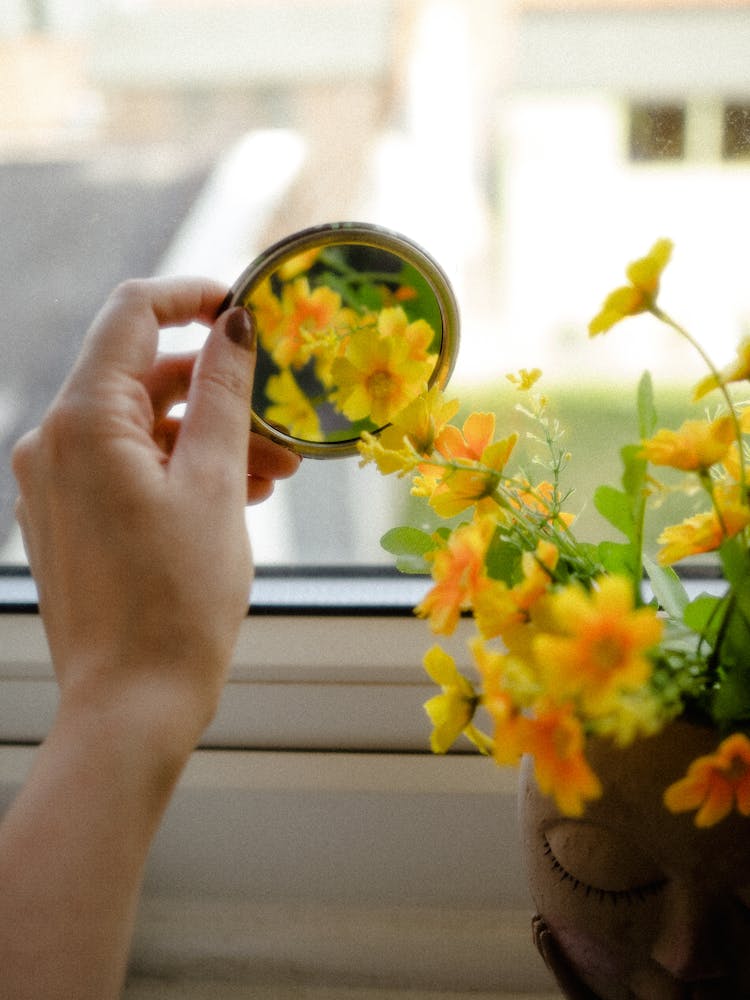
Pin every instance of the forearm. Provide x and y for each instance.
(72, 852)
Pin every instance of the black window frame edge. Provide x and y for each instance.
(281, 590)
(335, 590)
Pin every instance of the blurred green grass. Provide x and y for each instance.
(598, 420)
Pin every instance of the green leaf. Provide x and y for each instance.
(667, 587)
(616, 557)
(634, 477)
(503, 560)
(704, 615)
(734, 562)
(731, 700)
(647, 416)
(615, 506)
(409, 545)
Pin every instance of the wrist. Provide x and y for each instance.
(147, 723)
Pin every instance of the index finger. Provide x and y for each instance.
(124, 336)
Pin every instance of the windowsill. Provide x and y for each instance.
(313, 842)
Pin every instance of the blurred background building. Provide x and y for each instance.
(532, 146)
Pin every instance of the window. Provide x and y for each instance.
(736, 145)
(657, 132)
(157, 136)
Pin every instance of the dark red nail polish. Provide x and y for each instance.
(240, 328)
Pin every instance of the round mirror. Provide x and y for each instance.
(353, 322)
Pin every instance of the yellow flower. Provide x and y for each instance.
(555, 738)
(694, 447)
(509, 725)
(305, 313)
(411, 436)
(377, 378)
(599, 643)
(267, 311)
(452, 711)
(474, 466)
(707, 531)
(634, 714)
(525, 378)
(292, 409)
(298, 263)
(736, 372)
(644, 275)
(458, 570)
(715, 783)
(498, 607)
(419, 335)
(540, 499)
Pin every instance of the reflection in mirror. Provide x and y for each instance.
(353, 324)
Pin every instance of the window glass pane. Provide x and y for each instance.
(657, 132)
(736, 131)
(533, 147)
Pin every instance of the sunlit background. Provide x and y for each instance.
(533, 147)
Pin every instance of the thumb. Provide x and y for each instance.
(216, 424)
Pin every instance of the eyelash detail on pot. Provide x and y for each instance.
(636, 895)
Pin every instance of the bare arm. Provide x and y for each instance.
(137, 541)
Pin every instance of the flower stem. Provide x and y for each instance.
(678, 328)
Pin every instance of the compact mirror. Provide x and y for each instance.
(354, 322)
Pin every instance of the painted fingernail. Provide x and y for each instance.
(240, 328)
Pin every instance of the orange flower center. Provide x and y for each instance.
(606, 652)
(380, 385)
(736, 770)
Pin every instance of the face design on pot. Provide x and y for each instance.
(644, 905)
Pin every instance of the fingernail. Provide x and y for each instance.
(240, 328)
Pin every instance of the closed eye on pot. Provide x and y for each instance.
(600, 864)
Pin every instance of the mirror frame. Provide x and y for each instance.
(358, 234)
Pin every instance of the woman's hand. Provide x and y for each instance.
(133, 521)
(136, 536)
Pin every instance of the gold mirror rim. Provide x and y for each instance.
(358, 234)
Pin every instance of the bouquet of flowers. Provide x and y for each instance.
(577, 639)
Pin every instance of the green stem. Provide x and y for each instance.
(678, 328)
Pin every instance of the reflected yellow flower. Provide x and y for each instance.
(305, 313)
(291, 407)
(301, 262)
(419, 335)
(267, 311)
(644, 276)
(377, 378)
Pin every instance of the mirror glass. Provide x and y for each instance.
(353, 322)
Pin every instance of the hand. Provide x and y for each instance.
(557, 963)
(134, 522)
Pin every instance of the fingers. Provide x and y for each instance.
(215, 432)
(124, 335)
(266, 461)
(168, 382)
(270, 460)
(557, 962)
